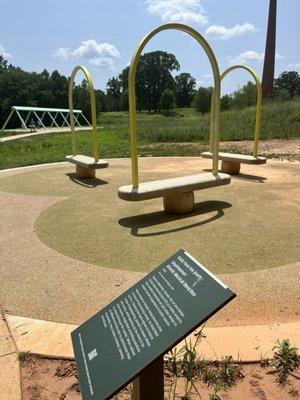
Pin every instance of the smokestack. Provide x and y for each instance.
(269, 62)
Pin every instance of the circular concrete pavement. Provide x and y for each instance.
(69, 247)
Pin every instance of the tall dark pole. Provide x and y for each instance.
(269, 63)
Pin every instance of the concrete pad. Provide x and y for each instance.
(10, 381)
(42, 337)
(7, 345)
(243, 343)
(246, 343)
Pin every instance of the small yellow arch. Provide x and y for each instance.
(258, 102)
(93, 110)
(132, 95)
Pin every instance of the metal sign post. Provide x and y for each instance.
(149, 384)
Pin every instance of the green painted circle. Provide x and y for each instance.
(247, 225)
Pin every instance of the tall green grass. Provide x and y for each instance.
(279, 120)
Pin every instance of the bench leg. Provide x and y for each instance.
(179, 203)
(230, 167)
(85, 173)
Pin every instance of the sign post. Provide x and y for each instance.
(149, 384)
(126, 341)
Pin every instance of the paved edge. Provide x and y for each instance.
(41, 133)
(10, 378)
(244, 343)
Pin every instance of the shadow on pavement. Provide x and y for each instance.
(137, 222)
(88, 183)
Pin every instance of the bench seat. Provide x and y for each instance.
(239, 158)
(86, 161)
(167, 187)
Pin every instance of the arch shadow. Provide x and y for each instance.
(245, 177)
(160, 217)
(88, 183)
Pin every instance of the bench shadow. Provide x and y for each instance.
(160, 217)
(88, 183)
(246, 177)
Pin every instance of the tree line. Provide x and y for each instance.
(158, 88)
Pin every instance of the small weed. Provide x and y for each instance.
(24, 356)
(209, 376)
(286, 359)
(294, 393)
(229, 372)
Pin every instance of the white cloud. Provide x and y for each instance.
(91, 49)
(207, 76)
(62, 53)
(220, 32)
(178, 11)
(4, 53)
(250, 55)
(102, 62)
(280, 56)
(97, 54)
(294, 65)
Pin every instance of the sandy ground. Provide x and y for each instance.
(45, 379)
(46, 283)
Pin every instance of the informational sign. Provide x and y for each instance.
(151, 317)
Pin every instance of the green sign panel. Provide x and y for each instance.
(151, 317)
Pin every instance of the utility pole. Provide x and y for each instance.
(269, 62)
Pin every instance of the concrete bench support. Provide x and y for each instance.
(179, 203)
(231, 167)
(85, 173)
(86, 166)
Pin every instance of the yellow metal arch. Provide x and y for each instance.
(132, 95)
(93, 110)
(258, 102)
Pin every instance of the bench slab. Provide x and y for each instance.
(167, 187)
(86, 161)
(240, 158)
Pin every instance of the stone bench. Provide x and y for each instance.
(231, 163)
(85, 165)
(177, 193)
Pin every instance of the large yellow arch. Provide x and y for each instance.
(132, 95)
(93, 110)
(258, 102)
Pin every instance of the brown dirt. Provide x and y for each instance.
(282, 149)
(50, 379)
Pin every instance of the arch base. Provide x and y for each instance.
(85, 173)
(179, 203)
(231, 167)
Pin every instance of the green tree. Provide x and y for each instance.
(184, 89)
(153, 77)
(167, 101)
(202, 99)
(289, 81)
(245, 97)
(226, 102)
(114, 93)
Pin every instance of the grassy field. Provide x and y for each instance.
(279, 120)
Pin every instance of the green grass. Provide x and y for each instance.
(279, 120)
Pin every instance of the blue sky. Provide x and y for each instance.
(102, 35)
